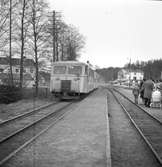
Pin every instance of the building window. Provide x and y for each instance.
(17, 70)
(1, 70)
(31, 70)
(135, 78)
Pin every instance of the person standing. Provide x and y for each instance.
(148, 87)
(135, 92)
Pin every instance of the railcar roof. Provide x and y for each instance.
(74, 63)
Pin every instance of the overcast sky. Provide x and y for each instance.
(115, 30)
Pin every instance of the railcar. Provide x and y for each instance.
(71, 79)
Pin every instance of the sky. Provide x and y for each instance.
(116, 31)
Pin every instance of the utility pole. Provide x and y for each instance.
(54, 36)
(57, 53)
(62, 51)
(10, 45)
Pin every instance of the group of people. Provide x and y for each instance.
(147, 89)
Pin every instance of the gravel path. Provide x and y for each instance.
(127, 147)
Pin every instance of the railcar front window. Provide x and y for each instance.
(77, 70)
(59, 70)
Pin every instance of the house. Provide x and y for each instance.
(123, 75)
(28, 71)
(28, 66)
(130, 75)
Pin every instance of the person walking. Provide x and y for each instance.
(148, 87)
(136, 92)
(142, 90)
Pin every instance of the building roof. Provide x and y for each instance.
(16, 61)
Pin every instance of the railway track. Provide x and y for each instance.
(13, 125)
(26, 112)
(28, 129)
(148, 126)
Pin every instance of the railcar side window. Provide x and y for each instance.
(75, 70)
(86, 70)
(59, 70)
(91, 73)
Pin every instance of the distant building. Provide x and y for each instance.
(123, 75)
(130, 75)
(28, 72)
(28, 66)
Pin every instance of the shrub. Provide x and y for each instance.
(9, 94)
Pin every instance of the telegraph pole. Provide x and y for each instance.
(10, 49)
(56, 33)
(62, 51)
(54, 36)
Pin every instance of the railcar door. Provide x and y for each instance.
(65, 85)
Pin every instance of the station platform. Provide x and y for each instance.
(156, 112)
(80, 139)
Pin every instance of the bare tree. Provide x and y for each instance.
(74, 43)
(69, 41)
(4, 22)
(31, 33)
(6, 32)
(37, 37)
